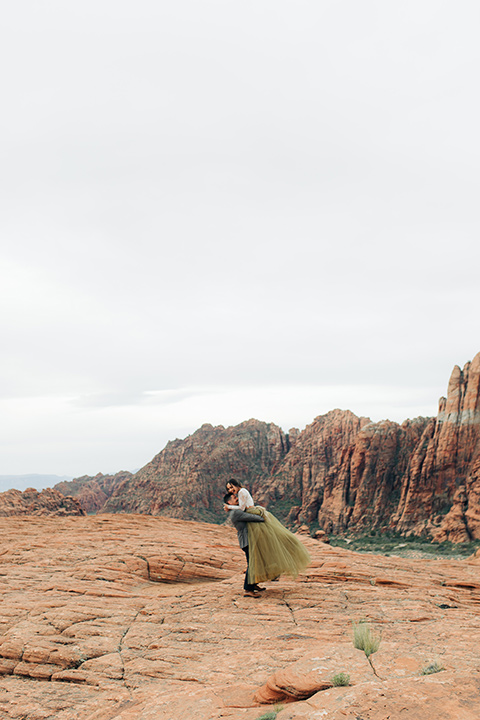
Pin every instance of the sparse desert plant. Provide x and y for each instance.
(341, 679)
(272, 714)
(364, 639)
(432, 668)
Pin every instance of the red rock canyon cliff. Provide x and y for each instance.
(344, 473)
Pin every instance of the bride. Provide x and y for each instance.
(241, 494)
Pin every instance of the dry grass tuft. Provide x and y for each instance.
(364, 639)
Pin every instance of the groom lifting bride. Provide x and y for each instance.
(271, 550)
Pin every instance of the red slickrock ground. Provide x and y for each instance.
(131, 617)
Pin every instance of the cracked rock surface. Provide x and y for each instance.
(132, 617)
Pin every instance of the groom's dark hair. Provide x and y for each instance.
(227, 498)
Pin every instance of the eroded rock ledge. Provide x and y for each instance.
(32, 502)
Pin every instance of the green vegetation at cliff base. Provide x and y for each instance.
(397, 545)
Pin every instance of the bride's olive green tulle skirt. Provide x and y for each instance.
(273, 550)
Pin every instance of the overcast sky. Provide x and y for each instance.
(216, 210)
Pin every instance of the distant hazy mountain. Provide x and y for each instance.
(22, 482)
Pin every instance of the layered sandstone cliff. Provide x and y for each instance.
(92, 492)
(342, 473)
(346, 472)
(187, 479)
(421, 477)
(441, 489)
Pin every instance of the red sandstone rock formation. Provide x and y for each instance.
(32, 502)
(441, 489)
(301, 477)
(421, 477)
(187, 479)
(92, 493)
(343, 472)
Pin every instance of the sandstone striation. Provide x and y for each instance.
(345, 472)
(441, 488)
(130, 617)
(421, 477)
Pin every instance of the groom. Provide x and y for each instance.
(239, 520)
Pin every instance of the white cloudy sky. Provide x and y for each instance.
(218, 210)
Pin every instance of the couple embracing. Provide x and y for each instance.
(270, 549)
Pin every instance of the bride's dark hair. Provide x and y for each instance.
(233, 482)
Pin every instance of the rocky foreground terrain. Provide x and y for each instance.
(131, 617)
(342, 473)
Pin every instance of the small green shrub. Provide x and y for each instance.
(272, 714)
(432, 668)
(392, 542)
(364, 639)
(341, 680)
